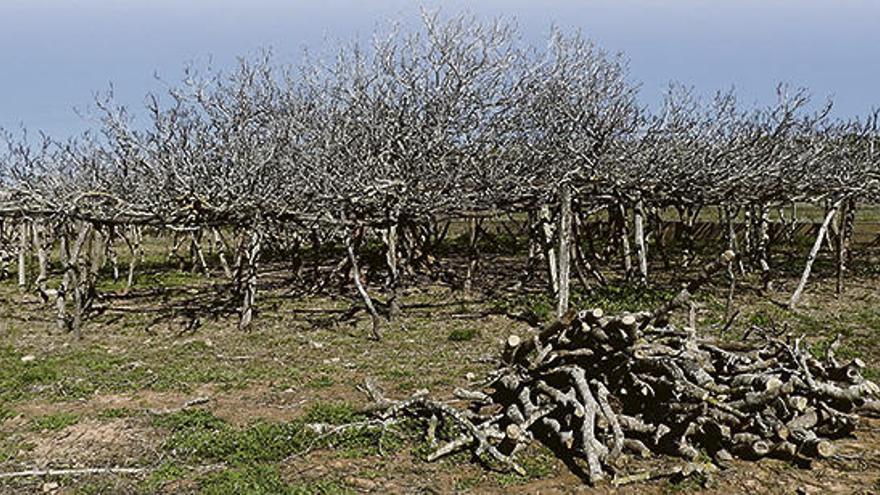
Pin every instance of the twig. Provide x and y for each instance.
(72, 472)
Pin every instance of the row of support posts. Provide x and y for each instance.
(83, 246)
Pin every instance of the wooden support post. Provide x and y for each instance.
(389, 236)
(132, 240)
(40, 243)
(747, 235)
(641, 247)
(565, 232)
(845, 219)
(623, 233)
(110, 251)
(796, 296)
(23, 245)
(62, 292)
(763, 244)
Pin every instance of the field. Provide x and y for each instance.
(163, 380)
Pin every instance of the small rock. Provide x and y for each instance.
(470, 376)
(316, 345)
(50, 487)
(28, 358)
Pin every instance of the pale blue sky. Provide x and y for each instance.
(54, 54)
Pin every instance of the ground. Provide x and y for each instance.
(116, 397)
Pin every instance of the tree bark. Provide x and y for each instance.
(550, 255)
(473, 253)
(197, 256)
(221, 248)
(249, 292)
(71, 283)
(356, 275)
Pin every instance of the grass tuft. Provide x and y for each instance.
(53, 422)
(464, 334)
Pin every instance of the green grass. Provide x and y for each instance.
(538, 463)
(5, 413)
(53, 422)
(199, 436)
(79, 372)
(331, 413)
(463, 334)
(167, 472)
(623, 297)
(323, 381)
(264, 480)
(612, 299)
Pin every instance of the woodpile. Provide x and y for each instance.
(594, 387)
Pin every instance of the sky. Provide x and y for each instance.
(56, 54)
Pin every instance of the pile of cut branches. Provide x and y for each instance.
(593, 387)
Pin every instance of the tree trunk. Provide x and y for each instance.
(222, 248)
(473, 253)
(249, 291)
(549, 254)
(356, 276)
(728, 215)
(75, 269)
(581, 261)
(197, 255)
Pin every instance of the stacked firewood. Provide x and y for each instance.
(593, 387)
